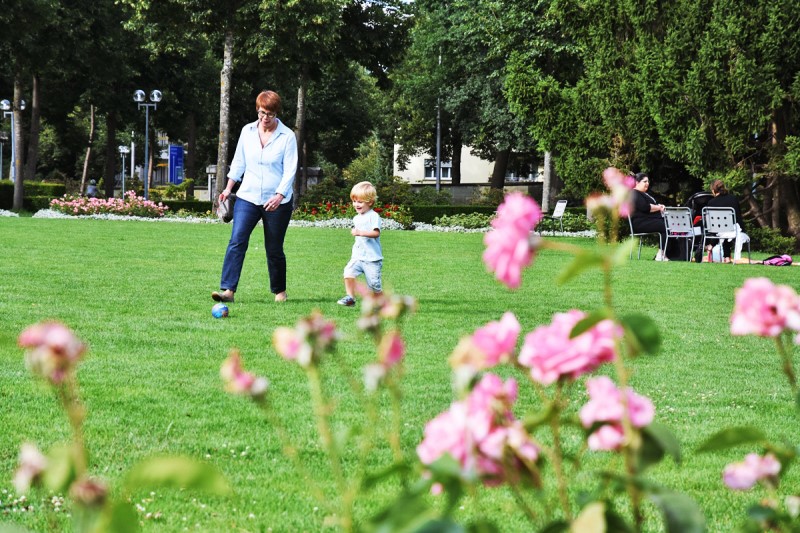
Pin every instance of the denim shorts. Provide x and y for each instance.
(370, 269)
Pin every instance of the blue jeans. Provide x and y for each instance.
(245, 217)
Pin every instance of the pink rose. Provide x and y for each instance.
(508, 247)
(605, 407)
(497, 340)
(391, 349)
(238, 381)
(53, 350)
(551, 354)
(754, 468)
(478, 431)
(765, 309)
(607, 438)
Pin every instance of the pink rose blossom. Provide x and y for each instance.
(31, 465)
(238, 381)
(497, 340)
(391, 349)
(551, 354)
(765, 309)
(53, 350)
(607, 438)
(508, 247)
(605, 407)
(308, 342)
(478, 431)
(754, 468)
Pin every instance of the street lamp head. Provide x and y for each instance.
(5, 105)
(124, 149)
(155, 96)
(138, 96)
(22, 105)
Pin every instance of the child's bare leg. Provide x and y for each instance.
(350, 287)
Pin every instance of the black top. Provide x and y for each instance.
(641, 205)
(728, 200)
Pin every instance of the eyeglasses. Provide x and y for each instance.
(262, 114)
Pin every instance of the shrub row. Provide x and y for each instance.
(427, 213)
(36, 194)
(192, 206)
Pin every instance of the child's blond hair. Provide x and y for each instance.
(364, 192)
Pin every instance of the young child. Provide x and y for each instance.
(367, 257)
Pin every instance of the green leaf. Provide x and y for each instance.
(407, 513)
(582, 261)
(681, 513)
(557, 526)
(661, 437)
(622, 253)
(119, 517)
(372, 480)
(540, 418)
(730, 437)
(177, 472)
(642, 333)
(60, 471)
(592, 519)
(443, 526)
(590, 320)
(761, 513)
(483, 526)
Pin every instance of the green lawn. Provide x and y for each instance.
(138, 294)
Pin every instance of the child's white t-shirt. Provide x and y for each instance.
(367, 248)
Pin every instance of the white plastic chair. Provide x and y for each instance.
(640, 235)
(558, 213)
(679, 226)
(719, 223)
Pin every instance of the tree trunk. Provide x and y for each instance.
(548, 176)
(455, 161)
(110, 170)
(88, 150)
(498, 179)
(191, 154)
(787, 188)
(301, 178)
(32, 161)
(18, 146)
(225, 77)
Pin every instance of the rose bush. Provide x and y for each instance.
(129, 205)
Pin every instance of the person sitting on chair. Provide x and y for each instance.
(722, 198)
(647, 215)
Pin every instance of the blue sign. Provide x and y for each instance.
(175, 164)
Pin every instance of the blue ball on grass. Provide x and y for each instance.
(219, 310)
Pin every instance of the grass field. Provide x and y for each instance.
(138, 294)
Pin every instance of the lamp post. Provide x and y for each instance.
(123, 150)
(5, 105)
(155, 98)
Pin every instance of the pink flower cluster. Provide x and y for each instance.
(551, 354)
(508, 245)
(480, 432)
(239, 381)
(490, 345)
(308, 341)
(618, 200)
(605, 407)
(129, 205)
(754, 468)
(391, 350)
(765, 309)
(384, 306)
(53, 350)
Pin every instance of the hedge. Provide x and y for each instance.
(36, 194)
(193, 206)
(427, 213)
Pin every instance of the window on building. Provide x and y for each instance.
(430, 169)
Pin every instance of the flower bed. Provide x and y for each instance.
(129, 205)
